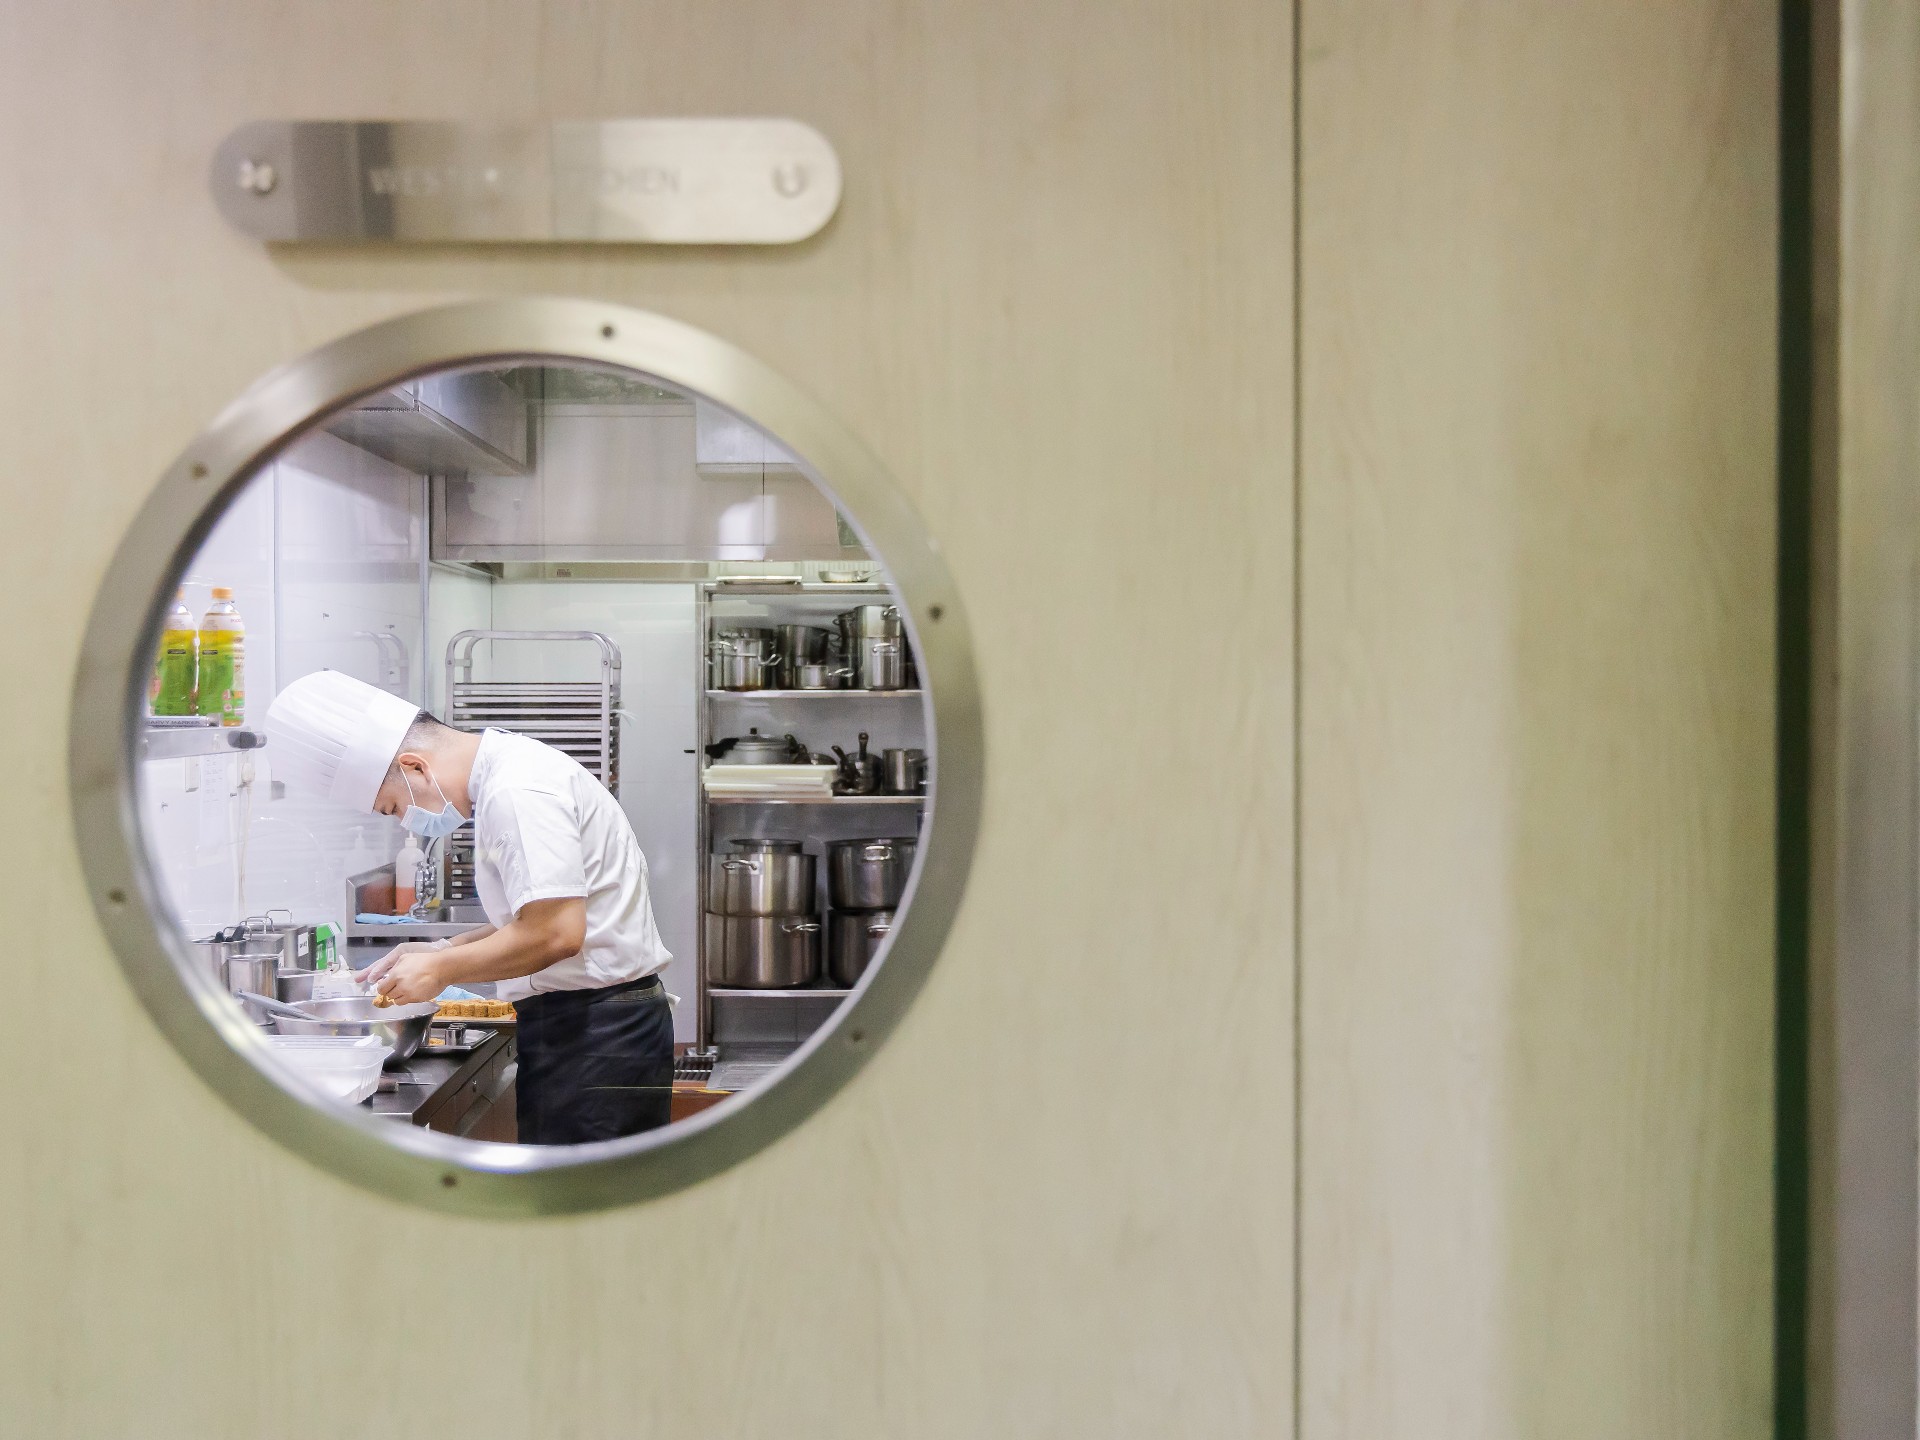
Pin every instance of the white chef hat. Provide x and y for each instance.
(333, 736)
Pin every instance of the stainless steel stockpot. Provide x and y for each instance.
(882, 664)
(742, 660)
(762, 952)
(879, 622)
(253, 968)
(761, 877)
(903, 772)
(799, 645)
(868, 874)
(854, 937)
(821, 677)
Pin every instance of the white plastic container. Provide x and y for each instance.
(342, 1067)
(406, 876)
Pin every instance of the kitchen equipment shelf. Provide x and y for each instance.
(722, 588)
(817, 818)
(170, 743)
(810, 694)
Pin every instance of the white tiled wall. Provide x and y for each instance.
(324, 552)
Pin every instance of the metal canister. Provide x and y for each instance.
(903, 772)
(252, 971)
(799, 645)
(882, 664)
(295, 941)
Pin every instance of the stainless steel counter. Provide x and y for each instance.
(470, 1094)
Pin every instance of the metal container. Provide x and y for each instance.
(854, 937)
(877, 622)
(761, 877)
(291, 986)
(882, 664)
(252, 970)
(903, 772)
(296, 942)
(742, 660)
(868, 874)
(859, 774)
(762, 952)
(824, 676)
(753, 748)
(358, 1015)
(213, 954)
(799, 645)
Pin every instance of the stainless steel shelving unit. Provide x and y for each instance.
(816, 603)
(813, 694)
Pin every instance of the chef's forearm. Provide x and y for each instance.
(545, 933)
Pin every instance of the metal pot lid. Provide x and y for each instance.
(754, 740)
(785, 847)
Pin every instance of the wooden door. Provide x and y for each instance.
(1057, 301)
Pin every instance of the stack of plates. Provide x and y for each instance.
(770, 782)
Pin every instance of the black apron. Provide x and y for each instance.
(594, 1064)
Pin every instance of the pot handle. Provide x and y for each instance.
(732, 864)
(881, 851)
(800, 927)
(879, 927)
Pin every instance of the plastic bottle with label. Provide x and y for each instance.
(223, 643)
(176, 669)
(406, 876)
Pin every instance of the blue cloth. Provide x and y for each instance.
(384, 920)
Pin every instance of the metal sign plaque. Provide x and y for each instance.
(658, 182)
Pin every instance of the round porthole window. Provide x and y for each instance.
(526, 755)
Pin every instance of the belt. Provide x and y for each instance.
(559, 1002)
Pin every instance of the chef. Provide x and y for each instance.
(572, 940)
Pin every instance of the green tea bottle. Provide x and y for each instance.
(223, 660)
(176, 667)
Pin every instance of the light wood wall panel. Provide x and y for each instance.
(1538, 539)
(1058, 302)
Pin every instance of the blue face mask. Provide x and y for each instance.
(431, 824)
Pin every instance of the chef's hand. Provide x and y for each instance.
(407, 974)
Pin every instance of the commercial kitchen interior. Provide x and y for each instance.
(532, 501)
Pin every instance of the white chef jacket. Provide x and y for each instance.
(545, 829)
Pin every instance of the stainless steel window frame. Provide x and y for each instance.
(1861, 1337)
(403, 1162)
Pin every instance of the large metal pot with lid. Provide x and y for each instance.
(761, 877)
(881, 664)
(762, 952)
(868, 874)
(746, 659)
(854, 937)
(868, 622)
(799, 645)
(753, 748)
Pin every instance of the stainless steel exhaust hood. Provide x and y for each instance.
(471, 424)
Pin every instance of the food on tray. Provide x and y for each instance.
(474, 1010)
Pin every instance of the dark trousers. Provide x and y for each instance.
(594, 1064)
